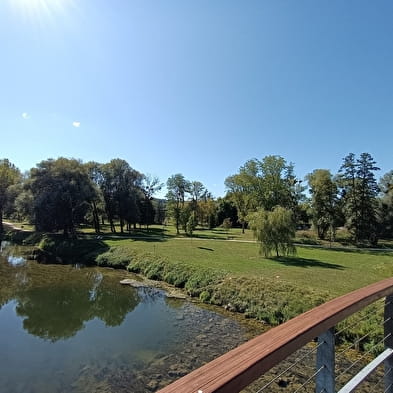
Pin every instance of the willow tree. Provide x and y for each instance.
(274, 230)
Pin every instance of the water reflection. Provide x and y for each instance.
(55, 302)
(55, 313)
(69, 329)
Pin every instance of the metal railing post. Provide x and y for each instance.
(388, 334)
(325, 363)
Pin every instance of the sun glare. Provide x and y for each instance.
(37, 9)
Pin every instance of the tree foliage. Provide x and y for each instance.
(359, 192)
(324, 201)
(274, 230)
(62, 191)
(9, 176)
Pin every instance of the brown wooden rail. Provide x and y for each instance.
(239, 367)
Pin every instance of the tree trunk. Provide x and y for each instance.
(1, 221)
(96, 219)
(243, 225)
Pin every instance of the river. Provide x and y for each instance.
(75, 329)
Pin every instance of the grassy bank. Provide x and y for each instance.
(231, 273)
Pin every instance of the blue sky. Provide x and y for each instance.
(196, 87)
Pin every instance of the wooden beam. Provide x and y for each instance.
(239, 367)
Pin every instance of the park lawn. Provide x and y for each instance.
(335, 271)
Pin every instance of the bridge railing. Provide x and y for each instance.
(238, 368)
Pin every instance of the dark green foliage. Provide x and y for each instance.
(62, 191)
(359, 193)
(177, 187)
(121, 187)
(9, 176)
(66, 250)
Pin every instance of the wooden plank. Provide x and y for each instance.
(239, 367)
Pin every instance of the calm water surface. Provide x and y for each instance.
(73, 329)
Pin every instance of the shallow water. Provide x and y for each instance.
(72, 329)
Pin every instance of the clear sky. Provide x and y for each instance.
(196, 87)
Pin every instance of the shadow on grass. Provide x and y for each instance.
(305, 262)
(146, 235)
(205, 248)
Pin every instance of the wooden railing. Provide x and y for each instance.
(239, 367)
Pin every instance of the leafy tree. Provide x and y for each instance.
(9, 175)
(177, 187)
(274, 230)
(62, 191)
(324, 201)
(121, 187)
(226, 209)
(197, 191)
(97, 204)
(359, 192)
(150, 186)
(265, 184)
(208, 211)
(239, 193)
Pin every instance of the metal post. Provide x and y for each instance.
(388, 334)
(325, 361)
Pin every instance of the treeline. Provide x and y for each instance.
(61, 194)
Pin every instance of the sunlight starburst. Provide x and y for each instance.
(39, 9)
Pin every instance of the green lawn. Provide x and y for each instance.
(335, 271)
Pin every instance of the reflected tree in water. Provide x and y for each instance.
(59, 312)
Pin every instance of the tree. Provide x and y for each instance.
(324, 201)
(121, 187)
(9, 175)
(62, 192)
(240, 195)
(274, 230)
(95, 175)
(264, 184)
(359, 192)
(197, 191)
(177, 187)
(150, 186)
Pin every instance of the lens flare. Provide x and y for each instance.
(39, 9)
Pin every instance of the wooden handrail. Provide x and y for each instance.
(237, 368)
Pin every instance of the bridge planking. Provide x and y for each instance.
(239, 367)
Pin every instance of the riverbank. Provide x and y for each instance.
(229, 274)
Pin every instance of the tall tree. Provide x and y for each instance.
(150, 186)
(9, 175)
(324, 201)
(62, 192)
(239, 193)
(359, 192)
(177, 187)
(265, 184)
(121, 189)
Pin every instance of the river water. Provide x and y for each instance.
(72, 329)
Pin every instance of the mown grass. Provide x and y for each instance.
(336, 271)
